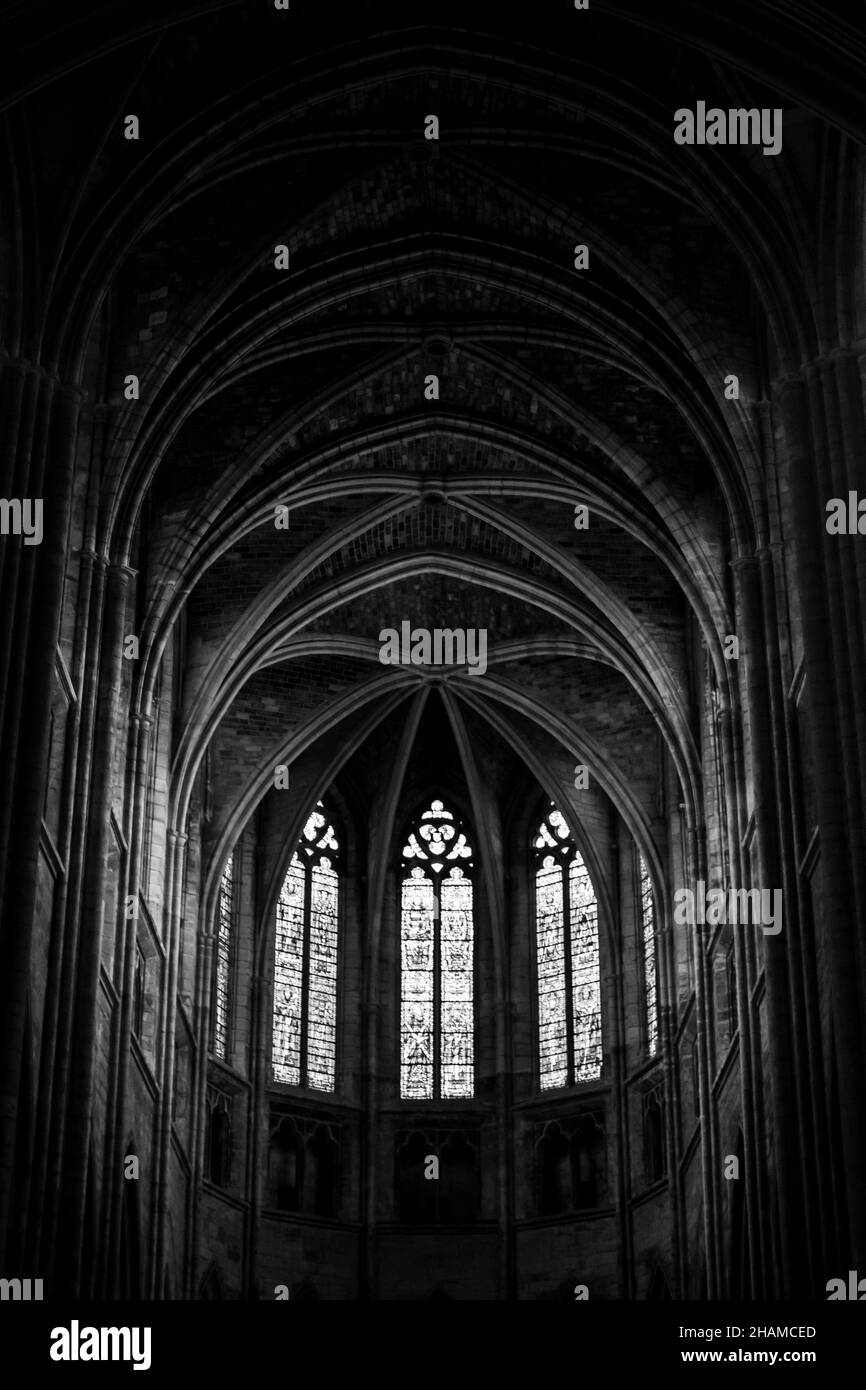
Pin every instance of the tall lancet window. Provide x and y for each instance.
(648, 927)
(305, 961)
(222, 981)
(566, 939)
(437, 961)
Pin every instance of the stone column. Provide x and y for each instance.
(82, 1053)
(825, 641)
(117, 1119)
(162, 1138)
(696, 869)
(767, 761)
(32, 587)
(751, 1080)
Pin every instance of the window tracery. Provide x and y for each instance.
(305, 961)
(567, 956)
(437, 949)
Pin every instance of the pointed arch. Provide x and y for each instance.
(211, 1287)
(658, 1290)
(648, 937)
(437, 958)
(223, 972)
(306, 943)
(286, 1166)
(568, 978)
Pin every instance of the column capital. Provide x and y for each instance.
(97, 561)
(26, 367)
(70, 394)
(119, 567)
(745, 562)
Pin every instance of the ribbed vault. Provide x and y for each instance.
(557, 388)
(431, 394)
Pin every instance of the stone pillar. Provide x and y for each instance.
(204, 968)
(62, 1006)
(696, 869)
(825, 641)
(82, 1063)
(117, 1119)
(751, 1081)
(617, 1050)
(162, 1138)
(767, 762)
(39, 463)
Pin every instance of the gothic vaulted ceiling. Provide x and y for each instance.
(425, 379)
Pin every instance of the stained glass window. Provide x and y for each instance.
(649, 958)
(566, 940)
(305, 961)
(223, 960)
(437, 950)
